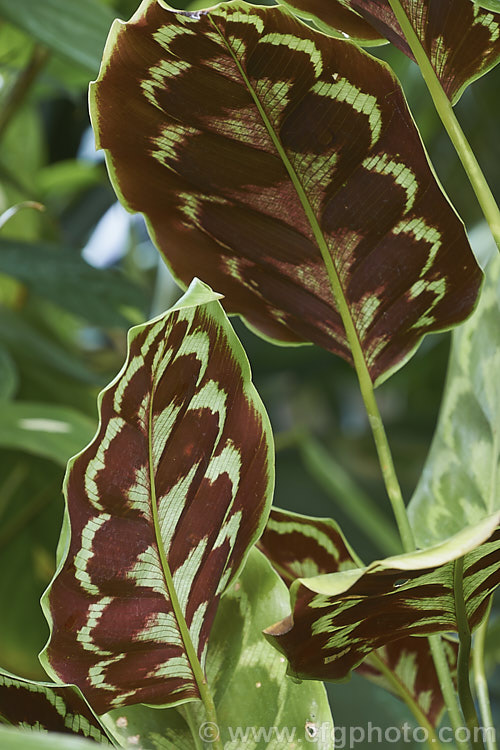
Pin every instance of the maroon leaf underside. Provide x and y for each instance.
(200, 164)
(454, 33)
(376, 611)
(102, 619)
(302, 552)
(32, 704)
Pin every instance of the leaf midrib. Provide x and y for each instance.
(339, 298)
(178, 614)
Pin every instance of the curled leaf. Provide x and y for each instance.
(281, 164)
(340, 618)
(301, 546)
(162, 507)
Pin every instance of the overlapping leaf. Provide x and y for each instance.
(299, 547)
(162, 506)
(247, 677)
(45, 707)
(460, 483)
(339, 619)
(263, 153)
(460, 38)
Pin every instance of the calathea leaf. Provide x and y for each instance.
(45, 707)
(280, 164)
(340, 618)
(301, 546)
(461, 38)
(162, 507)
(460, 481)
(247, 677)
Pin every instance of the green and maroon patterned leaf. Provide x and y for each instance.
(278, 162)
(302, 546)
(45, 707)
(340, 618)
(163, 506)
(461, 38)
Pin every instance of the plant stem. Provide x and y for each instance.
(445, 111)
(360, 365)
(363, 511)
(22, 85)
(464, 691)
(405, 695)
(482, 683)
(447, 687)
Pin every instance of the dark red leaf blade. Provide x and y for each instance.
(301, 546)
(460, 38)
(48, 708)
(340, 618)
(162, 508)
(258, 148)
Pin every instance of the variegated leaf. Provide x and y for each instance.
(460, 38)
(162, 507)
(301, 546)
(46, 707)
(278, 163)
(247, 676)
(340, 618)
(460, 483)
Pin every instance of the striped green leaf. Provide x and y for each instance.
(340, 618)
(248, 678)
(303, 547)
(44, 707)
(162, 507)
(461, 38)
(279, 165)
(460, 483)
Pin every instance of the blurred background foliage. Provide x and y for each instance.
(76, 271)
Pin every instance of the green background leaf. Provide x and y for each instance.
(62, 276)
(55, 432)
(17, 739)
(72, 28)
(460, 483)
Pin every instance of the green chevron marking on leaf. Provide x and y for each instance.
(162, 507)
(281, 164)
(247, 675)
(340, 618)
(304, 547)
(460, 483)
(45, 707)
(461, 38)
